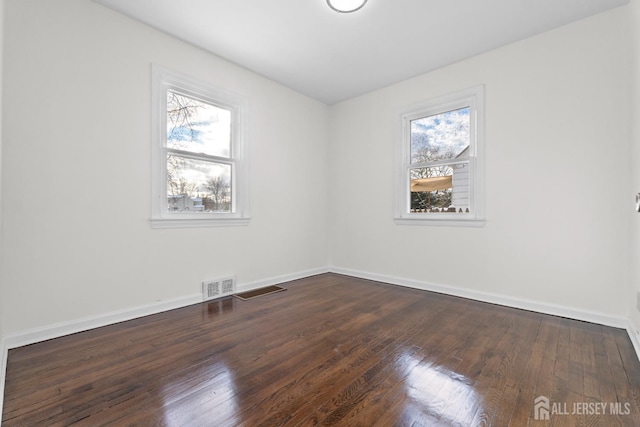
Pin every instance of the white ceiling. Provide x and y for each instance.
(305, 45)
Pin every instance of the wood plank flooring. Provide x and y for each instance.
(333, 351)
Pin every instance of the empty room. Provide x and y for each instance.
(322, 212)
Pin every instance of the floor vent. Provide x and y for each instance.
(259, 292)
(212, 289)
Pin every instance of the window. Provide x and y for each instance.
(198, 170)
(439, 166)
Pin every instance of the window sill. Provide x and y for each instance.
(449, 221)
(198, 222)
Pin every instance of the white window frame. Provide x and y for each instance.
(163, 80)
(472, 98)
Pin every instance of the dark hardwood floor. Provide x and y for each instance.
(331, 350)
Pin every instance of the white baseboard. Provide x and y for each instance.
(634, 336)
(65, 328)
(57, 330)
(3, 373)
(60, 329)
(556, 310)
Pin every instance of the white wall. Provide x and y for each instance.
(78, 86)
(557, 174)
(3, 350)
(1, 222)
(78, 82)
(634, 282)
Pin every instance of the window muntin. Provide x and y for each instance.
(440, 168)
(199, 173)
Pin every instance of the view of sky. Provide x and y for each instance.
(441, 136)
(198, 127)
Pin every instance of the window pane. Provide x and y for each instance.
(197, 127)
(441, 136)
(440, 189)
(197, 186)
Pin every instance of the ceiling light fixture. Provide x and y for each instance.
(346, 6)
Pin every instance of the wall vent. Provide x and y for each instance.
(212, 289)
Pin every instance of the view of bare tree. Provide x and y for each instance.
(219, 190)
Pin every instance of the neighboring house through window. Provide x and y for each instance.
(439, 161)
(198, 170)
